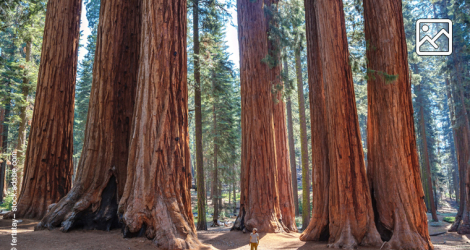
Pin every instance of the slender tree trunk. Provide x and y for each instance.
(455, 150)
(259, 201)
(290, 130)
(350, 213)
(393, 164)
(4, 115)
(303, 143)
(157, 199)
(48, 163)
(422, 127)
(25, 92)
(234, 198)
(99, 184)
(201, 195)
(215, 183)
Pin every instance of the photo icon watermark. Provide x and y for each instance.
(434, 37)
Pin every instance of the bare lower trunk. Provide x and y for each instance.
(201, 195)
(22, 127)
(350, 214)
(99, 184)
(48, 164)
(393, 165)
(303, 143)
(259, 201)
(290, 130)
(157, 199)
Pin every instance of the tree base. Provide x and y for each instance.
(72, 212)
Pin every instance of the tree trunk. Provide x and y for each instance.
(464, 227)
(215, 182)
(48, 164)
(350, 214)
(303, 143)
(234, 198)
(4, 114)
(455, 151)
(422, 127)
(157, 199)
(393, 164)
(284, 174)
(201, 195)
(259, 201)
(290, 130)
(99, 184)
(25, 92)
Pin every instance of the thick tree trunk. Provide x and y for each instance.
(290, 129)
(351, 218)
(303, 143)
(201, 195)
(393, 164)
(99, 184)
(48, 164)
(259, 201)
(157, 199)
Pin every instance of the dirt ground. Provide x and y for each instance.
(215, 238)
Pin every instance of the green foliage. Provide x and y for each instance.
(449, 219)
(21, 23)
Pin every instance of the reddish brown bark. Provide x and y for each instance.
(157, 201)
(201, 195)
(346, 194)
(259, 201)
(393, 165)
(284, 174)
(462, 221)
(48, 164)
(99, 184)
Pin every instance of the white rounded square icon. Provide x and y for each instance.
(434, 37)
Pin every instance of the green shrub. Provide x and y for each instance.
(449, 219)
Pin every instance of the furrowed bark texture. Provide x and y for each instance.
(393, 165)
(48, 165)
(318, 227)
(201, 195)
(99, 184)
(284, 174)
(351, 218)
(259, 202)
(157, 201)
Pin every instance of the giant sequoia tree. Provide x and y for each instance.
(260, 200)
(156, 200)
(393, 165)
(99, 184)
(342, 208)
(48, 164)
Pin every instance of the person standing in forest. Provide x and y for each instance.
(254, 239)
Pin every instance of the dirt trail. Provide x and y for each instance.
(215, 238)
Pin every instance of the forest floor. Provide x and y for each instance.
(214, 238)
